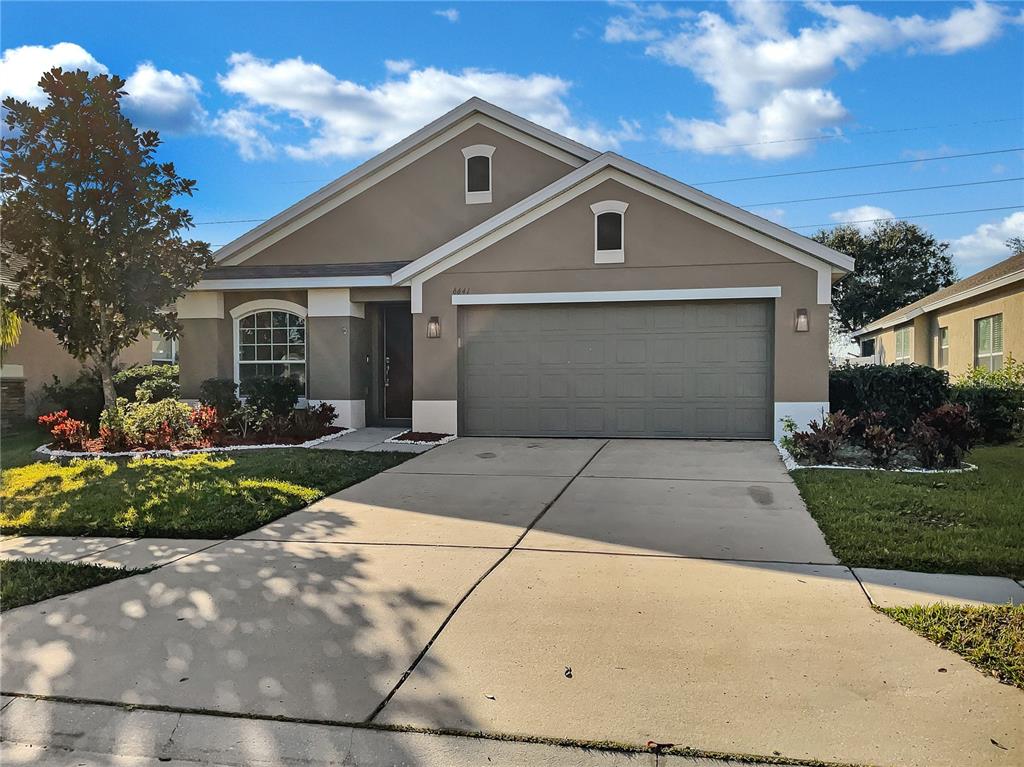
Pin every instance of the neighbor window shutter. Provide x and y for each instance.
(997, 334)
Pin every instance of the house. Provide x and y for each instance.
(976, 322)
(487, 276)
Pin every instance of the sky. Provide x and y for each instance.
(263, 103)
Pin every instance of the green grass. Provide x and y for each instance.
(990, 637)
(205, 495)
(23, 582)
(18, 445)
(969, 523)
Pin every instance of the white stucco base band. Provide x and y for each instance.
(440, 416)
(801, 412)
(351, 412)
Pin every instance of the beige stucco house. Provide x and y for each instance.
(487, 276)
(976, 322)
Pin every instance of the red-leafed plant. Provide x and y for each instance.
(821, 441)
(67, 433)
(878, 439)
(942, 437)
(207, 420)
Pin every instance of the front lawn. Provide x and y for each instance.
(205, 495)
(956, 523)
(17, 447)
(28, 581)
(990, 637)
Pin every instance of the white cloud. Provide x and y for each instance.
(21, 68)
(863, 217)
(986, 245)
(763, 75)
(349, 119)
(158, 98)
(245, 128)
(399, 66)
(452, 14)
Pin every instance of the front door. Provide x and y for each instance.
(397, 361)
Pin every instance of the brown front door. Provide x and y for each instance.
(397, 361)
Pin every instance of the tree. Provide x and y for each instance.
(897, 263)
(1016, 245)
(91, 211)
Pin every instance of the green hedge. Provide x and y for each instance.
(902, 392)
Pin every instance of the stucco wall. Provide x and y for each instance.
(960, 320)
(41, 356)
(665, 248)
(419, 207)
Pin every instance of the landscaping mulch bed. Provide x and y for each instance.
(428, 437)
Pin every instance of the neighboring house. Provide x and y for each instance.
(976, 322)
(487, 276)
(38, 357)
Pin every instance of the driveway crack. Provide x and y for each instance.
(455, 608)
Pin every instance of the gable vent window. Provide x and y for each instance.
(478, 173)
(609, 231)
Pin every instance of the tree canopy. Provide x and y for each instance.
(92, 212)
(897, 263)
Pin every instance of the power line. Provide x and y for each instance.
(906, 218)
(858, 167)
(884, 191)
(833, 136)
(230, 221)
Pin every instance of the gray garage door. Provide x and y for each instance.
(691, 369)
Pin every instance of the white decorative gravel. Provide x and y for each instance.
(791, 464)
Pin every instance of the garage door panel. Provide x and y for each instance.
(690, 369)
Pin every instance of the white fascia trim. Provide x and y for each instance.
(438, 416)
(727, 217)
(1002, 282)
(801, 412)
(263, 304)
(391, 160)
(616, 296)
(280, 283)
(333, 302)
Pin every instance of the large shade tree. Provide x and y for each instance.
(92, 213)
(897, 263)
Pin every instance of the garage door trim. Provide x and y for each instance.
(616, 296)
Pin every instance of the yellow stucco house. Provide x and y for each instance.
(976, 322)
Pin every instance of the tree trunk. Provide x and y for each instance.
(106, 367)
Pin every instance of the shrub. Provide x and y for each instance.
(996, 399)
(821, 441)
(220, 393)
(81, 397)
(902, 392)
(313, 421)
(879, 440)
(68, 433)
(148, 382)
(112, 426)
(276, 394)
(206, 419)
(160, 425)
(941, 437)
(248, 419)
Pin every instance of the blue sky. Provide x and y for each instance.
(263, 103)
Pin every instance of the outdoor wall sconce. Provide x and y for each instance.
(803, 323)
(433, 328)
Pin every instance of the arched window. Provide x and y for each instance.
(478, 173)
(609, 231)
(270, 340)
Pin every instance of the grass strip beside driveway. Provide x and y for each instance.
(23, 582)
(970, 523)
(205, 495)
(990, 637)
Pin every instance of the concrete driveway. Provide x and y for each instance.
(583, 589)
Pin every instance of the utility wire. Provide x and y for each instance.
(884, 191)
(906, 218)
(866, 165)
(832, 136)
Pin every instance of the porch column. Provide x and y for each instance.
(337, 349)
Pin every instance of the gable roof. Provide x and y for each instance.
(996, 276)
(366, 171)
(431, 262)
